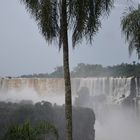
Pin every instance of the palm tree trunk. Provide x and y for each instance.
(68, 102)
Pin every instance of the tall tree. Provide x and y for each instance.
(130, 24)
(55, 18)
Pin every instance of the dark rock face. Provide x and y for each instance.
(13, 113)
(83, 123)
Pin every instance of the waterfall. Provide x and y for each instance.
(137, 81)
(36, 89)
(40, 85)
(107, 96)
(115, 89)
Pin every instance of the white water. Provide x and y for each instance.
(118, 126)
(113, 88)
(34, 89)
(42, 88)
(113, 122)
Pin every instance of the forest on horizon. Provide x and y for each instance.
(93, 70)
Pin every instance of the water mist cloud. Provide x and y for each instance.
(30, 94)
(118, 125)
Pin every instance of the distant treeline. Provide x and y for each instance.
(94, 70)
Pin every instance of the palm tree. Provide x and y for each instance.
(27, 132)
(130, 24)
(55, 18)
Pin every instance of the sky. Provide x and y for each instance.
(23, 50)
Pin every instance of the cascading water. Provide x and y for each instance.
(36, 89)
(106, 96)
(115, 89)
(115, 102)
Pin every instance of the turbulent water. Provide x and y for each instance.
(36, 89)
(114, 88)
(115, 101)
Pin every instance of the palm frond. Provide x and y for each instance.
(130, 24)
(48, 22)
(45, 12)
(86, 14)
(32, 6)
(83, 16)
(80, 15)
(131, 46)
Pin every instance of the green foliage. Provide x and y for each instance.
(130, 24)
(83, 17)
(58, 72)
(122, 70)
(90, 70)
(96, 70)
(27, 132)
(87, 70)
(46, 15)
(41, 116)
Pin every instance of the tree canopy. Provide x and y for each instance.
(83, 17)
(130, 24)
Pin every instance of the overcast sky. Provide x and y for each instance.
(24, 51)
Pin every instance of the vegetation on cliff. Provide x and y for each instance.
(12, 114)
